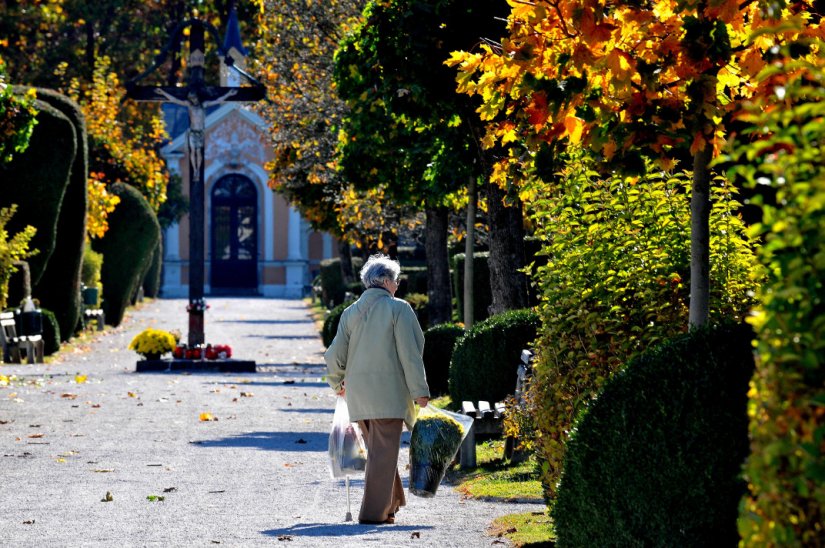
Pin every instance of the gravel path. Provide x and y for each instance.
(255, 476)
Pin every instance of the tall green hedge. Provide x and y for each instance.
(127, 248)
(36, 181)
(785, 155)
(331, 322)
(439, 342)
(617, 283)
(656, 459)
(485, 360)
(151, 282)
(483, 296)
(59, 286)
(332, 282)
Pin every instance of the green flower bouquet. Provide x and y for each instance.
(435, 440)
(153, 343)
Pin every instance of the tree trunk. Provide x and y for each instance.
(508, 285)
(439, 307)
(700, 239)
(469, 246)
(346, 262)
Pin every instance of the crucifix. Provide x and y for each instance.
(196, 96)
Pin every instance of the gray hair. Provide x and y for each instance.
(378, 269)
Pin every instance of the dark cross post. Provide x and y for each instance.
(196, 96)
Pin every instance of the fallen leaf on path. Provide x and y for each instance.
(170, 489)
(415, 534)
(80, 379)
(28, 522)
(61, 460)
(68, 396)
(206, 417)
(95, 406)
(4, 422)
(132, 394)
(155, 498)
(36, 435)
(247, 394)
(285, 537)
(108, 497)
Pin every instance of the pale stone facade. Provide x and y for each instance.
(255, 242)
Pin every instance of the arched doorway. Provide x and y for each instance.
(234, 234)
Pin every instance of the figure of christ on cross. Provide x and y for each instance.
(197, 121)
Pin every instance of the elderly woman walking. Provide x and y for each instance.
(376, 360)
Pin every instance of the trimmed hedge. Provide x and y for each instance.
(483, 296)
(331, 323)
(419, 302)
(656, 459)
(127, 248)
(485, 360)
(36, 181)
(332, 282)
(438, 349)
(91, 267)
(151, 282)
(59, 286)
(51, 332)
(413, 280)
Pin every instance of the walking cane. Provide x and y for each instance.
(349, 514)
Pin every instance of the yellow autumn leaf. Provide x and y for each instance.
(80, 379)
(206, 417)
(574, 127)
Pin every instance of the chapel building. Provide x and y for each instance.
(255, 243)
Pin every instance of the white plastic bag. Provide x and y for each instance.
(347, 450)
(435, 440)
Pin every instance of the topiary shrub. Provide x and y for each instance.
(36, 181)
(91, 267)
(483, 296)
(59, 287)
(413, 280)
(331, 322)
(151, 282)
(127, 247)
(485, 360)
(438, 349)
(332, 282)
(51, 332)
(419, 303)
(655, 460)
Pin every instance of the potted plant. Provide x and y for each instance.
(434, 443)
(153, 343)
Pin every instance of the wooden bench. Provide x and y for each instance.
(17, 348)
(489, 420)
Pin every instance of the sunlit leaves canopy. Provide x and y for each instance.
(628, 79)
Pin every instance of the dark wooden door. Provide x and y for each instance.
(234, 233)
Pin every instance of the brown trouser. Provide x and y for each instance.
(383, 491)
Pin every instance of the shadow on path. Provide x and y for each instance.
(265, 322)
(338, 530)
(307, 410)
(272, 441)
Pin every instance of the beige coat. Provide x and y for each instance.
(378, 352)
